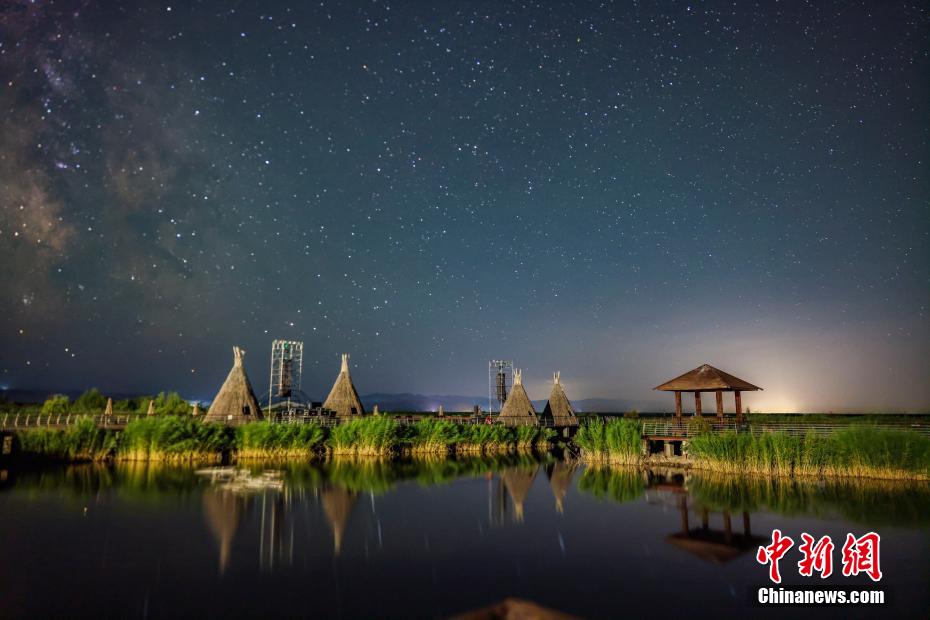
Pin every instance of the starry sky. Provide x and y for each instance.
(621, 191)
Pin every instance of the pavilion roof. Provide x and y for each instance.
(706, 378)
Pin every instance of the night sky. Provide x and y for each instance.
(619, 191)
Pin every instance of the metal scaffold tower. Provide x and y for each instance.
(500, 380)
(287, 364)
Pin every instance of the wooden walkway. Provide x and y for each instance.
(668, 429)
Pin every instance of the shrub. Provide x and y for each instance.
(91, 401)
(56, 404)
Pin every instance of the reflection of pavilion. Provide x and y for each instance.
(717, 546)
(713, 545)
(338, 503)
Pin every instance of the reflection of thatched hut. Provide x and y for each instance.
(559, 409)
(221, 510)
(518, 409)
(560, 479)
(519, 482)
(338, 503)
(343, 398)
(235, 403)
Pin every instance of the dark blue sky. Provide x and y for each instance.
(618, 191)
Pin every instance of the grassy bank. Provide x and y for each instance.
(865, 451)
(857, 451)
(182, 438)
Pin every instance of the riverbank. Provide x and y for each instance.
(186, 439)
(858, 451)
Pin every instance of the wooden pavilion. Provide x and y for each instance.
(706, 378)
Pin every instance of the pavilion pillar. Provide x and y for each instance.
(677, 404)
(739, 406)
(697, 405)
(720, 405)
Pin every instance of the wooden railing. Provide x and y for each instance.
(60, 420)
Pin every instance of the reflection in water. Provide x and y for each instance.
(166, 529)
(560, 479)
(713, 545)
(338, 503)
(518, 482)
(222, 510)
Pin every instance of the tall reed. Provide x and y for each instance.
(173, 438)
(616, 441)
(859, 451)
(375, 435)
(268, 440)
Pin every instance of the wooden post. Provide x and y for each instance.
(677, 404)
(739, 406)
(697, 405)
(746, 531)
(720, 405)
(705, 519)
(727, 527)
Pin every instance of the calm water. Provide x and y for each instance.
(414, 540)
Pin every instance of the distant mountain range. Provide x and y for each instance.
(392, 402)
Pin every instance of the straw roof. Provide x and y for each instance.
(151, 410)
(343, 398)
(221, 510)
(109, 408)
(706, 378)
(235, 403)
(514, 609)
(560, 479)
(338, 503)
(559, 409)
(518, 409)
(518, 482)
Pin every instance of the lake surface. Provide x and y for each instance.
(432, 539)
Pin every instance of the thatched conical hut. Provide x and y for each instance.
(343, 398)
(151, 410)
(109, 409)
(518, 409)
(221, 510)
(338, 503)
(235, 403)
(560, 479)
(559, 409)
(196, 412)
(518, 482)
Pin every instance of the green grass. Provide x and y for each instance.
(267, 440)
(617, 440)
(82, 441)
(374, 435)
(864, 451)
(178, 438)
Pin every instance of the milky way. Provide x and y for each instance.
(618, 191)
